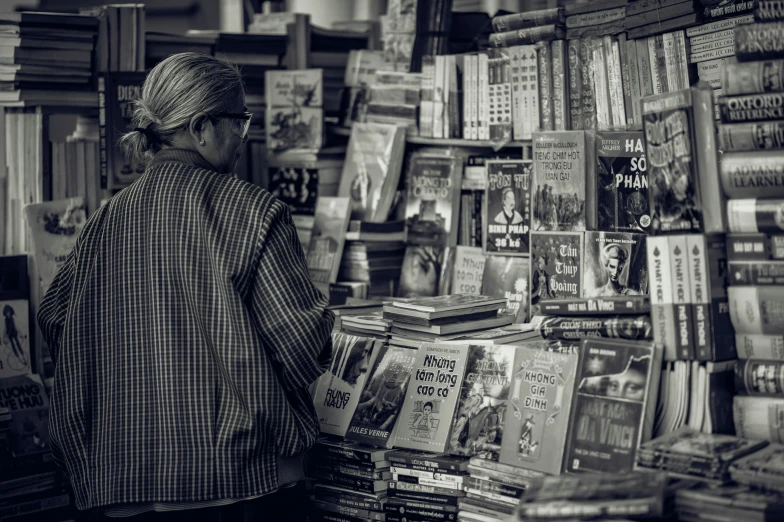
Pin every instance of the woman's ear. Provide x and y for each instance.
(199, 127)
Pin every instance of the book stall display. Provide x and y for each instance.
(553, 247)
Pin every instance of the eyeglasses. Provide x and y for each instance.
(246, 117)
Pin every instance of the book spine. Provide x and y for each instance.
(710, 193)
(741, 137)
(588, 96)
(606, 29)
(484, 95)
(661, 62)
(560, 85)
(595, 306)
(526, 36)
(714, 44)
(105, 152)
(334, 507)
(445, 98)
(668, 45)
(759, 418)
(545, 87)
(475, 95)
(634, 85)
(681, 296)
(759, 378)
(752, 174)
(758, 273)
(752, 107)
(759, 41)
(712, 54)
(532, 124)
(601, 88)
(656, 79)
(662, 311)
(426, 112)
(596, 18)
(683, 49)
(768, 11)
(757, 309)
(467, 97)
(734, 7)
(518, 115)
(541, 17)
(492, 98)
(760, 347)
(436, 126)
(697, 252)
(626, 80)
(755, 247)
(720, 25)
(612, 81)
(753, 77)
(455, 101)
(575, 85)
(644, 68)
(619, 109)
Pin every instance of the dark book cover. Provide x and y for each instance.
(433, 201)
(507, 219)
(14, 281)
(617, 382)
(615, 264)
(26, 398)
(426, 271)
(508, 277)
(295, 186)
(629, 327)
(556, 267)
(672, 164)
(622, 182)
(117, 93)
(615, 305)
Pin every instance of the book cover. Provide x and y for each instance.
(755, 42)
(295, 185)
(25, 397)
(672, 165)
(379, 405)
(429, 407)
(478, 427)
(298, 88)
(425, 271)
(622, 182)
(614, 264)
(54, 227)
(327, 240)
(117, 94)
(338, 390)
(371, 171)
(662, 308)
(508, 277)
(617, 383)
(507, 209)
(538, 417)
(556, 267)
(432, 207)
(558, 190)
(294, 128)
(752, 174)
(15, 339)
(468, 270)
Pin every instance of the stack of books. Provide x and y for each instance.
(494, 489)
(698, 502)
(370, 325)
(44, 54)
(122, 41)
(394, 98)
(689, 453)
(762, 469)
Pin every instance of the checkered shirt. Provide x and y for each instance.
(185, 331)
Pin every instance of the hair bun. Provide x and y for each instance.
(149, 133)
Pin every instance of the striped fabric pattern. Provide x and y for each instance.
(185, 332)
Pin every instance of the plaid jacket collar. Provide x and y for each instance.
(188, 157)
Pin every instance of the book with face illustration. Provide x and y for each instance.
(338, 391)
(615, 264)
(613, 405)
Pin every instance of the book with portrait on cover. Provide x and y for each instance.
(507, 208)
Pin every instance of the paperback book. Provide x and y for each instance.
(15, 341)
(507, 214)
(294, 117)
(556, 267)
(432, 208)
(615, 264)
(117, 94)
(327, 240)
(26, 398)
(622, 180)
(508, 277)
(426, 271)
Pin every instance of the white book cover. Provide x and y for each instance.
(15, 338)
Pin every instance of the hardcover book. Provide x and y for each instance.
(54, 227)
(507, 209)
(556, 267)
(117, 93)
(538, 418)
(478, 427)
(751, 216)
(338, 390)
(763, 378)
(380, 403)
(563, 190)
(372, 169)
(327, 240)
(615, 264)
(429, 407)
(432, 208)
(622, 182)
(613, 405)
(508, 277)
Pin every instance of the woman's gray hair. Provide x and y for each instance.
(177, 88)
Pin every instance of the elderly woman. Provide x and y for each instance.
(184, 326)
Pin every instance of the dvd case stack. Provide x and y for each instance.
(347, 479)
(425, 486)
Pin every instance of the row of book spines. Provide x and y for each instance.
(471, 218)
(687, 298)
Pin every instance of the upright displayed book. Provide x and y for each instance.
(613, 406)
(117, 92)
(380, 403)
(468, 270)
(294, 116)
(432, 208)
(372, 169)
(537, 419)
(54, 228)
(615, 264)
(327, 240)
(432, 396)
(478, 427)
(25, 397)
(556, 267)
(508, 277)
(506, 221)
(563, 187)
(338, 390)
(15, 327)
(622, 182)
(426, 271)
